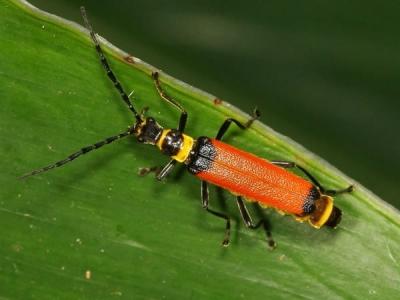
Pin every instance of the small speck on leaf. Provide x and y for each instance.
(88, 274)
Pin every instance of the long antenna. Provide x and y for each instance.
(82, 151)
(107, 67)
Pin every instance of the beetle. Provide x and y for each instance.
(245, 175)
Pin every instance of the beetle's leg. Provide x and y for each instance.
(290, 164)
(168, 99)
(161, 172)
(249, 222)
(166, 169)
(205, 199)
(147, 170)
(222, 130)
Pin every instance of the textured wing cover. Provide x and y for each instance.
(256, 179)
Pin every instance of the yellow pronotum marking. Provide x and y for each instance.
(184, 152)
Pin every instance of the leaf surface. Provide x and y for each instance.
(95, 229)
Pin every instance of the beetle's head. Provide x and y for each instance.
(147, 131)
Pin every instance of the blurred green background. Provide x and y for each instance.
(325, 73)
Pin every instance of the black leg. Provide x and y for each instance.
(289, 164)
(249, 222)
(166, 169)
(82, 151)
(107, 67)
(161, 172)
(205, 199)
(147, 170)
(168, 99)
(222, 130)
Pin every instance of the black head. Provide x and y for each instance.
(148, 131)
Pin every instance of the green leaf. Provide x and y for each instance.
(95, 229)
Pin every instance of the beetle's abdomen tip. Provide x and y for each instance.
(334, 218)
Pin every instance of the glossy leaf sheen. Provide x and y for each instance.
(95, 229)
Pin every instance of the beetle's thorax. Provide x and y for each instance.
(175, 144)
(171, 142)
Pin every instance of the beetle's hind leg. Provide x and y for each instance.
(250, 224)
(290, 164)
